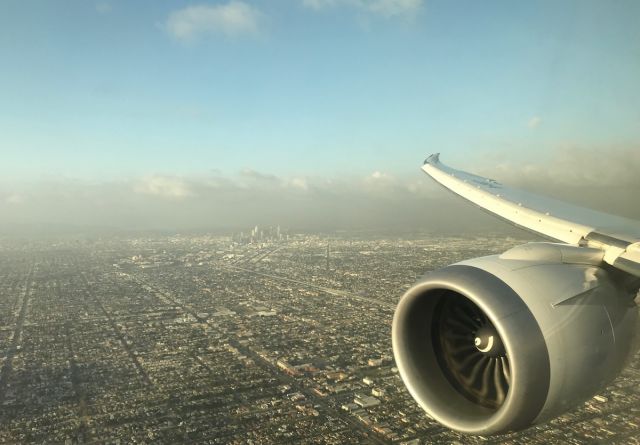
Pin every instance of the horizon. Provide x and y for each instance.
(224, 221)
(311, 113)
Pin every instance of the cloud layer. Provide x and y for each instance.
(603, 178)
(534, 122)
(163, 186)
(232, 19)
(384, 8)
(237, 18)
(379, 200)
(214, 202)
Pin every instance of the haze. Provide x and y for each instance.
(315, 115)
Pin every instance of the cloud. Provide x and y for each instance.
(163, 186)
(378, 175)
(103, 7)
(383, 8)
(604, 180)
(14, 198)
(214, 202)
(534, 122)
(232, 19)
(258, 176)
(298, 183)
(575, 166)
(320, 4)
(395, 8)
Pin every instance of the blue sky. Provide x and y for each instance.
(114, 89)
(171, 114)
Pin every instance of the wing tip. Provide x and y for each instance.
(432, 159)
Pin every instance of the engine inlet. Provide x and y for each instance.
(470, 351)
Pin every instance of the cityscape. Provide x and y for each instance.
(263, 336)
(210, 211)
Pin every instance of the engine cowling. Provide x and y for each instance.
(500, 343)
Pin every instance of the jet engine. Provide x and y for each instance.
(500, 343)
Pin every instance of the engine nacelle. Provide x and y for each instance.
(499, 343)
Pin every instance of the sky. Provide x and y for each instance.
(309, 113)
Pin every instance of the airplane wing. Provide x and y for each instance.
(617, 237)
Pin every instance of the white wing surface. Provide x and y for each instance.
(617, 237)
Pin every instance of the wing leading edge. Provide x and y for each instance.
(618, 238)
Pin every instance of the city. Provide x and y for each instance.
(211, 212)
(259, 337)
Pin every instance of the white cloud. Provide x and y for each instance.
(103, 7)
(233, 19)
(251, 174)
(384, 8)
(534, 122)
(299, 183)
(378, 175)
(319, 4)
(14, 199)
(602, 177)
(163, 186)
(395, 8)
(574, 167)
